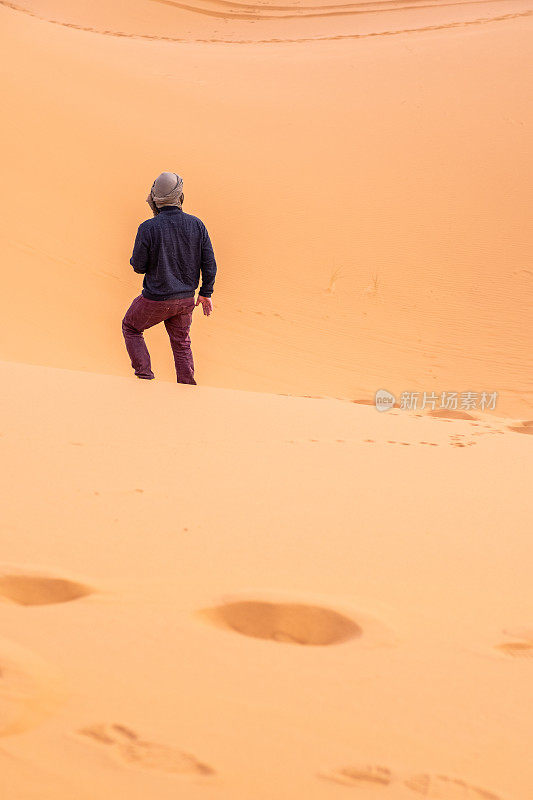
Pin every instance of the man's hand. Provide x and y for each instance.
(207, 305)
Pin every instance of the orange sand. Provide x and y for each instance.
(214, 593)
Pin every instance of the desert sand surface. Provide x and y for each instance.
(260, 587)
(248, 595)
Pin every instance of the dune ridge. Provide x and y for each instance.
(235, 11)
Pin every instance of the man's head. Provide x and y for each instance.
(167, 190)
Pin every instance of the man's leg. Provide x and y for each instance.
(178, 327)
(142, 314)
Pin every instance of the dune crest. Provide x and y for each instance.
(248, 23)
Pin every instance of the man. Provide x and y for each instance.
(172, 249)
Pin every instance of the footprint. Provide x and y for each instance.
(444, 788)
(29, 689)
(524, 427)
(128, 747)
(516, 649)
(449, 413)
(294, 623)
(522, 647)
(359, 776)
(439, 787)
(33, 589)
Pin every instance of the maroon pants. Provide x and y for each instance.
(177, 316)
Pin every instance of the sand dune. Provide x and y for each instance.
(370, 219)
(260, 587)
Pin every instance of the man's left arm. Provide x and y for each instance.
(141, 251)
(208, 265)
(208, 268)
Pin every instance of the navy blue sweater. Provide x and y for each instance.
(172, 249)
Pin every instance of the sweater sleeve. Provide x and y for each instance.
(208, 265)
(141, 250)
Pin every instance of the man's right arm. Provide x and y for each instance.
(141, 251)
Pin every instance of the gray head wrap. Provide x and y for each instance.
(166, 191)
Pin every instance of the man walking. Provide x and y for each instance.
(171, 250)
